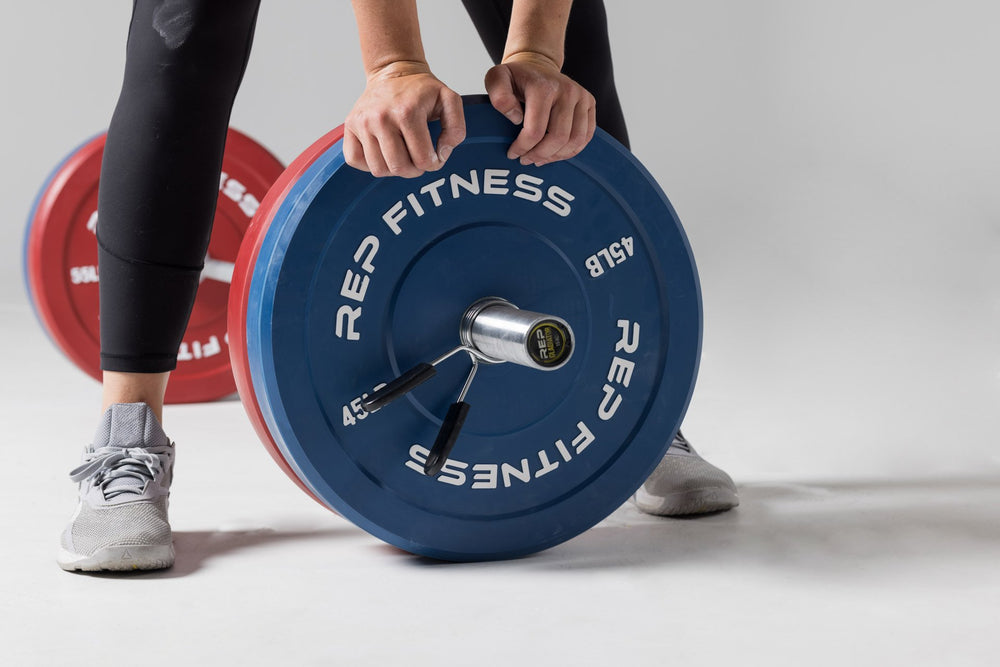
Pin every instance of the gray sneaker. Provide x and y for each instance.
(684, 484)
(124, 482)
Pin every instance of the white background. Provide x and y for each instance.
(836, 167)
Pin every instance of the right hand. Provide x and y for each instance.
(386, 132)
(557, 115)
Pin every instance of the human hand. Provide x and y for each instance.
(559, 115)
(386, 132)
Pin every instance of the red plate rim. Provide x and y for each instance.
(239, 292)
(46, 304)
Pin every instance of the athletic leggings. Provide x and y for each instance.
(159, 180)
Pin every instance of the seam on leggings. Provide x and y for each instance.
(139, 262)
(165, 357)
(138, 364)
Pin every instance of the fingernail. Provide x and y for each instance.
(540, 163)
(514, 116)
(525, 162)
(511, 155)
(444, 152)
(435, 159)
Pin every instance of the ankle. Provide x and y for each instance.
(148, 388)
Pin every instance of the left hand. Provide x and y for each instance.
(386, 132)
(558, 114)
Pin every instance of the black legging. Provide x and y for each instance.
(159, 180)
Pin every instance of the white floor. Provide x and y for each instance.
(810, 573)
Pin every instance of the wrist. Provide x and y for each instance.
(538, 29)
(533, 58)
(396, 68)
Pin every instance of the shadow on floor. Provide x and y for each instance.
(195, 548)
(785, 528)
(791, 528)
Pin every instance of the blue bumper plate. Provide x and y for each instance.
(359, 279)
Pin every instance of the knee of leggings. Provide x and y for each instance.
(191, 46)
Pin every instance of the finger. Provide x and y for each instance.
(394, 152)
(452, 124)
(373, 155)
(591, 122)
(537, 106)
(417, 138)
(354, 153)
(500, 87)
(557, 134)
(584, 124)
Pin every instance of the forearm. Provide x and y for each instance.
(389, 33)
(538, 27)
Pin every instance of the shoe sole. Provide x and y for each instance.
(687, 503)
(119, 559)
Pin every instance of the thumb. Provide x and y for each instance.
(452, 124)
(500, 86)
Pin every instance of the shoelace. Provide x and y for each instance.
(681, 443)
(130, 467)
